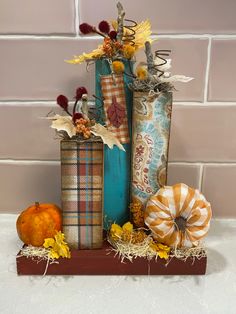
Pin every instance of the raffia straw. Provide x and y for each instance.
(127, 250)
(38, 254)
(151, 84)
(183, 254)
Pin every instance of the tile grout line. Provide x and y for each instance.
(207, 70)
(54, 161)
(200, 177)
(77, 35)
(28, 162)
(205, 104)
(199, 163)
(195, 36)
(176, 103)
(12, 214)
(77, 18)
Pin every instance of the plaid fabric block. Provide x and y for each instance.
(82, 193)
(114, 86)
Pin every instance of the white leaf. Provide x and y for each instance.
(106, 136)
(63, 123)
(175, 78)
(162, 67)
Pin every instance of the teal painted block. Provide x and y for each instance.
(117, 163)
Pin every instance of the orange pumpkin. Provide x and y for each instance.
(178, 216)
(38, 222)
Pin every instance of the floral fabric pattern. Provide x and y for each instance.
(151, 128)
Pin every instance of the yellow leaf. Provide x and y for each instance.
(59, 247)
(53, 254)
(142, 34)
(63, 250)
(48, 242)
(116, 231)
(163, 254)
(114, 24)
(95, 54)
(128, 227)
(59, 237)
(163, 247)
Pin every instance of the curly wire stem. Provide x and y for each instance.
(130, 37)
(160, 54)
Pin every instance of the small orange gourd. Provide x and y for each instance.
(38, 222)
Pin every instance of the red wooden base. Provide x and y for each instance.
(99, 262)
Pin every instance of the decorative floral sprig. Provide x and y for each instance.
(154, 75)
(119, 40)
(130, 243)
(78, 124)
(127, 233)
(57, 245)
(63, 101)
(163, 251)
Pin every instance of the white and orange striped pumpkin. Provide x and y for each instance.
(178, 216)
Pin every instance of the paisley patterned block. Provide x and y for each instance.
(151, 130)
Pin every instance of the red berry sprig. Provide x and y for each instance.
(63, 102)
(103, 29)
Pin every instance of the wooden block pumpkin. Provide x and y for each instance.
(178, 216)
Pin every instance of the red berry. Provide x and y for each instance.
(85, 28)
(113, 35)
(62, 101)
(80, 91)
(104, 27)
(77, 116)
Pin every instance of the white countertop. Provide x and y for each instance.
(213, 293)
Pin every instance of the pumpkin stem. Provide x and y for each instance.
(37, 205)
(181, 223)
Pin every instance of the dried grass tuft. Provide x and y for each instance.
(127, 250)
(38, 254)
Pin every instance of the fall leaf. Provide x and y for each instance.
(142, 34)
(106, 136)
(95, 54)
(128, 226)
(116, 231)
(116, 113)
(57, 245)
(63, 123)
(175, 78)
